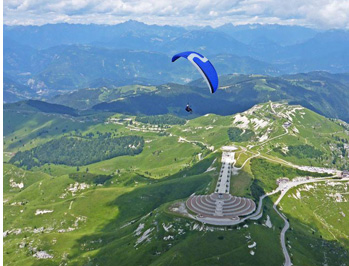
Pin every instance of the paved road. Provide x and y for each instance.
(283, 231)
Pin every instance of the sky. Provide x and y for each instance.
(322, 14)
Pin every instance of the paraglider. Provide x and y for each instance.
(204, 66)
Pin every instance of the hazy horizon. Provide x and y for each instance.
(178, 25)
(327, 14)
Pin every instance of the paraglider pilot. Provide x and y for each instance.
(188, 109)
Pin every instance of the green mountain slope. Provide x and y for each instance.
(129, 210)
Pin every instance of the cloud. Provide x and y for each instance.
(313, 13)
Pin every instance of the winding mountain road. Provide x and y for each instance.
(283, 231)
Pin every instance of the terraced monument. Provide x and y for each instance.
(220, 207)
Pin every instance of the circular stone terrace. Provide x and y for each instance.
(218, 207)
(221, 208)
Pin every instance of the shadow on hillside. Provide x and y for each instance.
(142, 201)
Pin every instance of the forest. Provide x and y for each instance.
(77, 151)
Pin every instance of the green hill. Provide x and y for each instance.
(128, 209)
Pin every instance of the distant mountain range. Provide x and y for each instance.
(40, 61)
(149, 37)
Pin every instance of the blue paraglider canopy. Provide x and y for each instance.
(203, 65)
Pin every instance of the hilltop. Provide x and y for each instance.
(128, 208)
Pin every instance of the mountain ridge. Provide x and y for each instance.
(322, 92)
